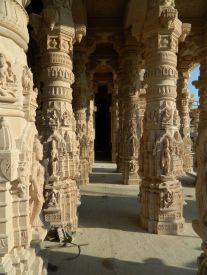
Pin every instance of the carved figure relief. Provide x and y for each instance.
(51, 199)
(169, 3)
(176, 118)
(166, 198)
(36, 187)
(165, 115)
(53, 117)
(54, 158)
(66, 118)
(8, 85)
(133, 166)
(166, 159)
(27, 80)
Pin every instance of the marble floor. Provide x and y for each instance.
(110, 241)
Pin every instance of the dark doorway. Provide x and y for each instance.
(103, 125)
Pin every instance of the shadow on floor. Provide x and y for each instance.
(104, 170)
(66, 262)
(118, 212)
(189, 211)
(187, 181)
(106, 177)
(109, 212)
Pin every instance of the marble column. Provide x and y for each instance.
(119, 141)
(161, 195)
(91, 127)
(21, 174)
(56, 33)
(114, 122)
(131, 61)
(80, 105)
(183, 98)
(142, 108)
(200, 225)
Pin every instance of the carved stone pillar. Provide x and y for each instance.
(91, 128)
(55, 31)
(200, 225)
(194, 123)
(161, 195)
(80, 105)
(142, 108)
(183, 98)
(130, 99)
(114, 122)
(119, 141)
(21, 174)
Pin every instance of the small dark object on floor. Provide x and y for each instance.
(52, 267)
(108, 263)
(76, 256)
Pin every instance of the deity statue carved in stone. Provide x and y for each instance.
(166, 157)
(54, 158)
(37, 183)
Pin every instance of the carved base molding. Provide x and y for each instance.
(23, 261)
(130, 175)
(162, 207)
(83, 179)
(61, 204)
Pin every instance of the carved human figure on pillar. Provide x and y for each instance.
(56, 32)
(129, 85)
(166, 157)
(54, 158)
(161, 127)
(183, 99)
(80, 104)
(36, 187)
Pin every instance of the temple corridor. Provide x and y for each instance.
(103, 146)
(111, 240)
(103, 123)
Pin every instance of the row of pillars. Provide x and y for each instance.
(67, 131)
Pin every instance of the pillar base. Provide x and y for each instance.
(120, 165)
(38, 235)
(131, 179)
(202, 261)
(82, 181)
(62, 213)
(162, 206)
(166, 228)
(163, 228)
(23, 261)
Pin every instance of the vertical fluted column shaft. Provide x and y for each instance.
(160, 193)
(80, 105)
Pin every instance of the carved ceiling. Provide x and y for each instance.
(191, 8)
(106, 8)
(106, 21)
